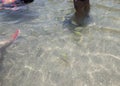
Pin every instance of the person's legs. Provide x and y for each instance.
(82, 8)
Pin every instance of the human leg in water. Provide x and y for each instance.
(82, 9)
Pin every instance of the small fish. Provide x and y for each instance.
(5, 43)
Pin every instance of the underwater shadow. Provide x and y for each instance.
(19, 16)
(71, 25)
(2, 53)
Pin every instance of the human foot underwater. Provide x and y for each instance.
(14, 4)
(7, 42)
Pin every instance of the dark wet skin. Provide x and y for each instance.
(82, 8)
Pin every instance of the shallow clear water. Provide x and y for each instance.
(51, 53)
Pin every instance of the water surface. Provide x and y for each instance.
(51, 53)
